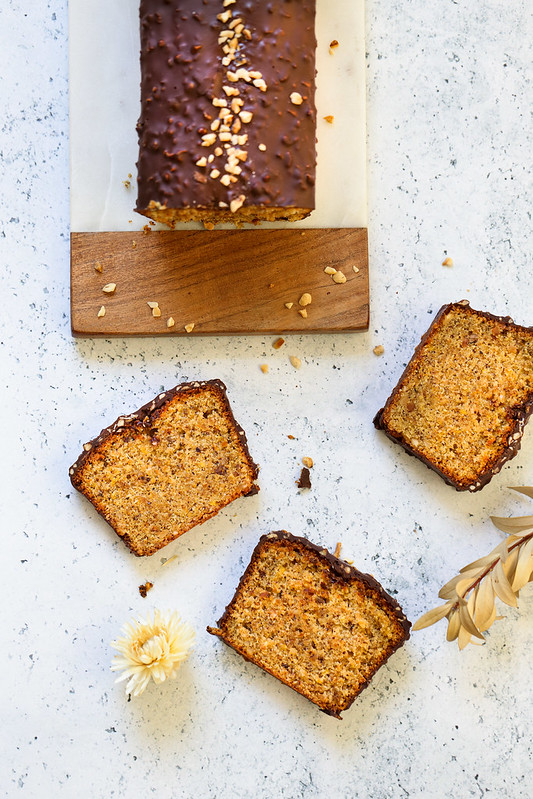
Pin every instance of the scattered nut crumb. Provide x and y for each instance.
(296, 362)
(156, 312)
(448, 262)
(379, 350)
(305, 299)
(143, 589)
(355, 269)
(329, 118)
(333, 44)
(127, 184)
(101, 312)
(308, 462)
(296, 98)
(339, 277)
(190, 327)
(303, 312)
(133, 244)
(170, 321)
(338, 548)
(98, 267)
(264, 368)
(292, 438)
(261, 147)
(152, 304)
(147, 229)
(330, 270)
(279, 342)
(289, 305)
(305, 479)
(109, 288)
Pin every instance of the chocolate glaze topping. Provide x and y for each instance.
(182, 72)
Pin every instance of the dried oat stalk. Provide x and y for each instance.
(470, 605)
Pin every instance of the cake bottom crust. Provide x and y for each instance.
(246, 214)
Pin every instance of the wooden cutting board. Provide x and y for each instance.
(221, 281)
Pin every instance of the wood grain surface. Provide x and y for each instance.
(222, 281)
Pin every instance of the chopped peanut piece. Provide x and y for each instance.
(190, 327)
(308, 462)
(264, 368)
(379, 350)
(447, 262)
(339, 277)
(296, 362)
(305, 299)
(279, 342)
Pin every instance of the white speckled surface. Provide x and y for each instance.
(449, 147)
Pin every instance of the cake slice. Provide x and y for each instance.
(465, 396)
(311, 620)
(227, 130)
(167, 467)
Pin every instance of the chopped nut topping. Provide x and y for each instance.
(296, 362)
(224, 16)
(202, 161)
(152, 305)
(303, 312)
(156, 312)
(219, 102)
(447, 262)
(190, 327)
(225, 180)
(236, 204)
(170, 321)
(215, 173)
(296, 98)
(101, 312)
(219, 151)
(264, 368)
(329, 118)
(355, 269)
(246, 116)
(261, 147)
(339, 277)
(305, 299)
(98, 267)
(329, 270)
(279, 342)
(109, 288)
(308, 462)
(230, 91)
(289, 305)
(379, 350)
(208, 139)
(260, 84)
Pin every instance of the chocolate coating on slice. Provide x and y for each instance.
(182, 72)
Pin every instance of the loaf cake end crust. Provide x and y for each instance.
(312, 621)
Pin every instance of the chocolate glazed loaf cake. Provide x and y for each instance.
(308, 618)
(228, 121)
(169, 466)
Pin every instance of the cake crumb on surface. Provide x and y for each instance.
(379, 349)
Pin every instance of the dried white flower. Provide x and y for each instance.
(152, 649)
